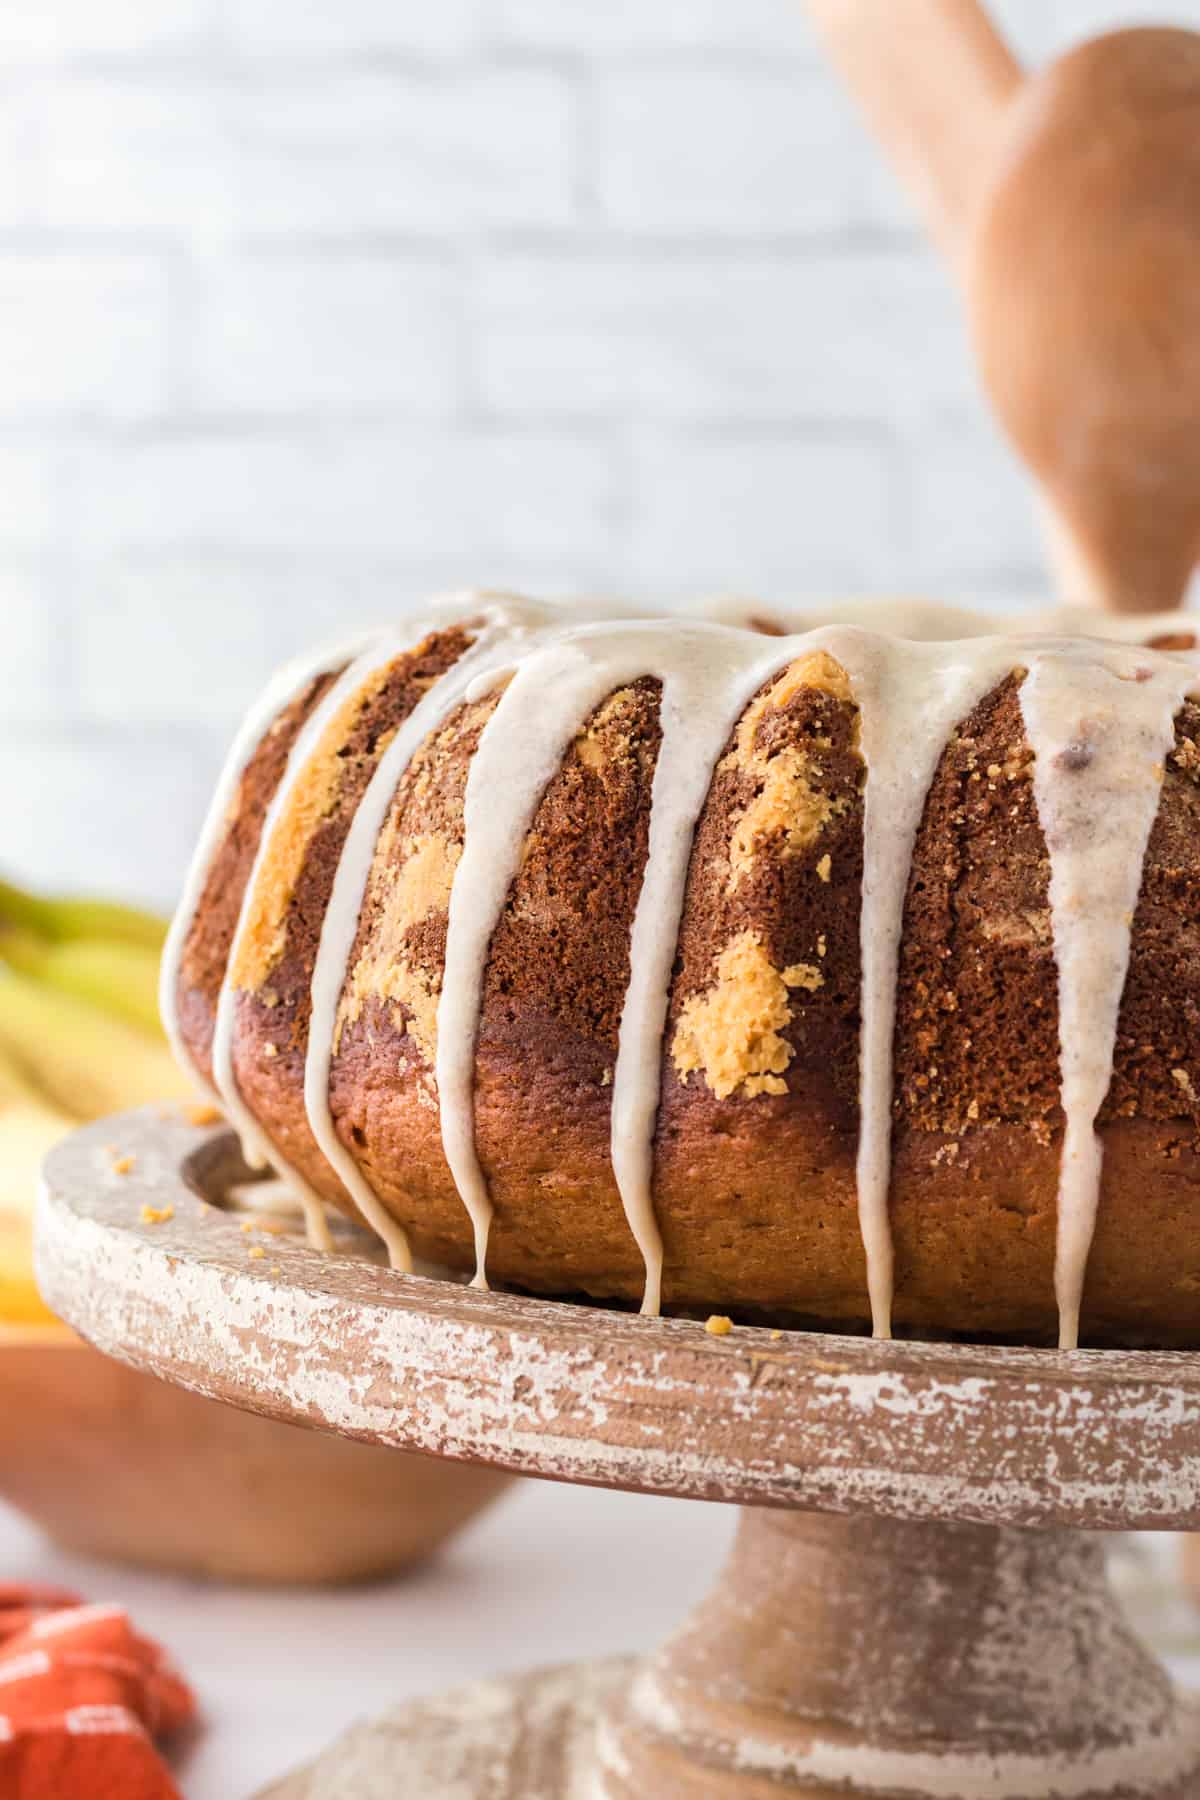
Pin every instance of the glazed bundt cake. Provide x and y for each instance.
(808, 973)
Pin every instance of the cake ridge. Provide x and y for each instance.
(284, 687)
(345, 904)
(1097, 853)
(258, 1149)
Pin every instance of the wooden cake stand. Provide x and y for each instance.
(916, 1604)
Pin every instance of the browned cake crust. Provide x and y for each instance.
(758, 1122)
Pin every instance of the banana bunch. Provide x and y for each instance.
(79, 1037)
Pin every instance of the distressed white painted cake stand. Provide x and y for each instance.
(916, 1604)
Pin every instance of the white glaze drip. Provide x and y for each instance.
(910, 698)
(502, 633)
(1100, 725)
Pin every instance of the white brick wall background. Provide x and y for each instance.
(308, 306)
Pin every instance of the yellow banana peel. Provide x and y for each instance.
(83, 1060)
(20, 1302)
(65, 916)
(29, 1127)
(118, 978)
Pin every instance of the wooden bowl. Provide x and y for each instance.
(113, 1463)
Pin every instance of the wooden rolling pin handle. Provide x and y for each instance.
(933, 77)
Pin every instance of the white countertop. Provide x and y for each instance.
(551, 1573)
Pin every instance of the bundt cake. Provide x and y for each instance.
(815, 973)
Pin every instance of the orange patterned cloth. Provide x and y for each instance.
(82, 1698)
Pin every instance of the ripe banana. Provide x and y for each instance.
(66, 917)
(119, 978)
(85, 1061)
(29, 1126)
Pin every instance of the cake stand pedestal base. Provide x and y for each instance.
(531, 1737)
(836, 1657)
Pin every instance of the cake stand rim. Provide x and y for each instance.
(133, 1258)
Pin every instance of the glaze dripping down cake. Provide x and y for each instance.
(814, 972)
